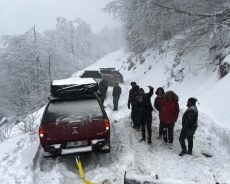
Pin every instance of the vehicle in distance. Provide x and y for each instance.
(96, 75)
(111, 75)
(74, 125)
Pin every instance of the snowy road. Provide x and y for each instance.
(128, 154)
(22, 161)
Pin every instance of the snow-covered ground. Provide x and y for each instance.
(21, 158)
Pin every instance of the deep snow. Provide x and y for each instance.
(21, 156)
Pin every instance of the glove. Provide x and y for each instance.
(150, 87)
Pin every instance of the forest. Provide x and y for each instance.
(30, 61)
(190, 24)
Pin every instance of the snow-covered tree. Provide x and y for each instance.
(151, 22)
(22, 73)
(30, 61)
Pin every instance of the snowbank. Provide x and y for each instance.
(215, 101)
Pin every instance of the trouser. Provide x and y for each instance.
(136, 116)
(146, 119)
(160, 129)
(167, 130)
(102, 99)
(182, 138)
(115, 102)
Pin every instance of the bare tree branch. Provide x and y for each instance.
(174, 8)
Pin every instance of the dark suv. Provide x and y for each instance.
(74, 125)
(111, 75)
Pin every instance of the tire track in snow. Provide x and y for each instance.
(41, 163)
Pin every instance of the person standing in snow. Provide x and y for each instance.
(189, 126)
(146, 112)
(160, 93)
(116, 96)
(168, 115)
(103, 87)
(132, 102)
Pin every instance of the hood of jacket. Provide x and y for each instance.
(170, 95)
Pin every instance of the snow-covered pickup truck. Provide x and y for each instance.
(76, 122)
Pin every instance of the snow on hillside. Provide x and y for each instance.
(21, 158)
(198, 78)
(215, 101)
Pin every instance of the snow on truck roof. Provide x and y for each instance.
(74, 81)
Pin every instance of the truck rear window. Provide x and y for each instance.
(77, 110)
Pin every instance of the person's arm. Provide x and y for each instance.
(177, 110)
(156, 104)
(113, 91)
(129, 100)
(192, 120)
(188, 119)
(150, 93)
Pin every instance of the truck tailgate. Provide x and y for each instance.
(86, 130)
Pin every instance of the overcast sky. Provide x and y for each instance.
(17, 16)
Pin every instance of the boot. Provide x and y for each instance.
(182, 153)
(159, 137)
(189, 152)
(141, 140)
(170, 145)
(149, 141)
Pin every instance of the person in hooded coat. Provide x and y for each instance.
(189, 126)
(144, 100)
(132, 103)
(160, 93)
(116, 96)
(169, 114)
(103, 87)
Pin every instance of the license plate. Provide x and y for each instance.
(76, 143)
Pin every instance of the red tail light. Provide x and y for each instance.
(41, 132)
(107, 125)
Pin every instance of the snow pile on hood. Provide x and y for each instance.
(74, 81)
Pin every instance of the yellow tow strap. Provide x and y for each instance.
(81, 172)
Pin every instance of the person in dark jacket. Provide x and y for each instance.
(169, 114)
(103, 87)
(116, 96)
(189, 126)
(132, 103)
(160, 93)
(146, 112)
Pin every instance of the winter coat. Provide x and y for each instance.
(132, 96)
(157, 103)
(116, 91)
(189, 120)
(169, 108)
(144, 102)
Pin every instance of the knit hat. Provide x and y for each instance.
(158, 91)
(133, 83)
(192, 100)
